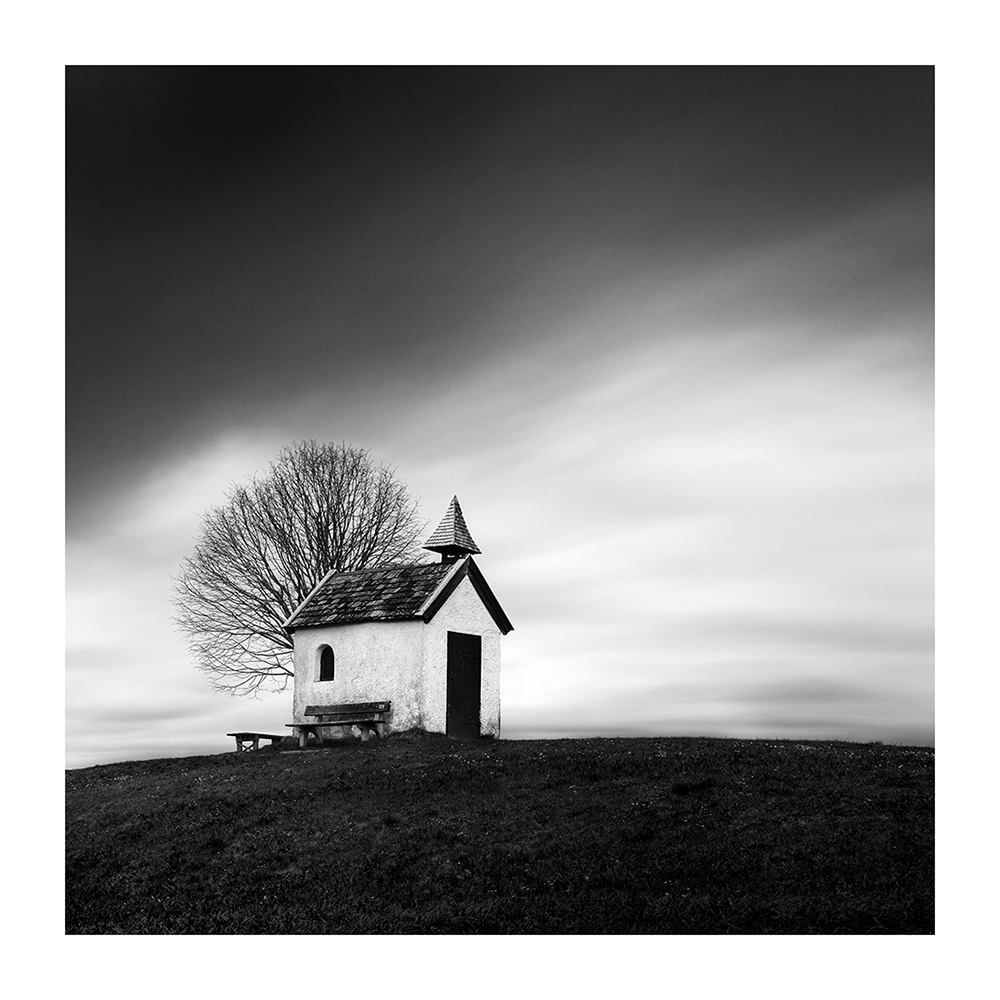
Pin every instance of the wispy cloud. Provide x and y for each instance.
(671, 347)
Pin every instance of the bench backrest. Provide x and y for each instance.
(353, 709)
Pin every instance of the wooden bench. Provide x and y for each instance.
(369, 716)
(251, 741)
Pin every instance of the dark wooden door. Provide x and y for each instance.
(465, 665)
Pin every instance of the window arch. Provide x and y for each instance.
(325, 663)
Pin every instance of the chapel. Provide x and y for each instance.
(423, 637)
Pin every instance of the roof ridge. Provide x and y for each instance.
(381, 569)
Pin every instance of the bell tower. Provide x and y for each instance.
(451, 537)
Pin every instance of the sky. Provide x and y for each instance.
(666, 332)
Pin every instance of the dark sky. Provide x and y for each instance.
(225, 224)
(667, 333)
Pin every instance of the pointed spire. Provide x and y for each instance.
(451, 537)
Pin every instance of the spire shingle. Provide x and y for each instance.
(451, 537)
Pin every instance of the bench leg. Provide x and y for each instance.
(303, 738)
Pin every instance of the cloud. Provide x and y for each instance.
(688, 415)
(753, 501)
(662, 518)
(131, 689)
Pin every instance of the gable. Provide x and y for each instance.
(467, 569)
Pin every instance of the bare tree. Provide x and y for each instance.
(318, 507)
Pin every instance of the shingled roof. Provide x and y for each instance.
(382, 594)
(393, 593)
(451, 536)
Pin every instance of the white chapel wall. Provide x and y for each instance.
(462, 612)
(373, 661)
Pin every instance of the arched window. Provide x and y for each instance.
(325, 663)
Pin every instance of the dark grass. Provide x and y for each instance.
(422, 835)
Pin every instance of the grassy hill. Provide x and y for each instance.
(422, 834)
